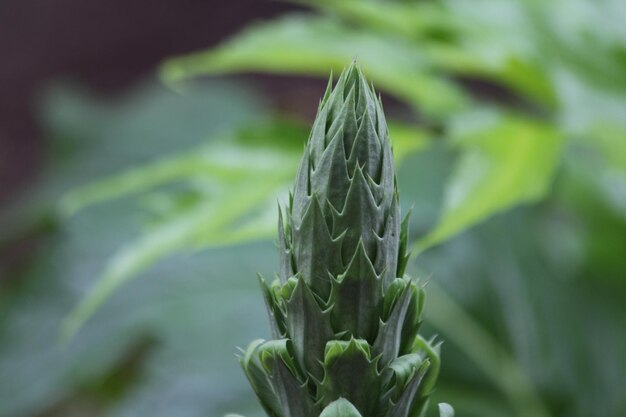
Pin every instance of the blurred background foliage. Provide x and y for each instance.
(157, 207)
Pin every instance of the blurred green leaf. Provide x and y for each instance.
(92, 137)
(315, 45)
(517, 277)
(519, 45)
(238, 180)
(407, 140)
(506, 160)
(225, 163)
(209, 225)
(413, 20)
(459, 38)
(486, 352)
(242, 182)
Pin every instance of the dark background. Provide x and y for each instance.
(106, 45)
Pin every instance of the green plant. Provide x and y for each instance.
(503, 301)
(345, 318)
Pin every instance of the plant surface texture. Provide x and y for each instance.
(345, 318)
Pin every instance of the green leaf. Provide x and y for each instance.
(231, 158)
(489, 356)
(138, 180)
(236, 212)
(506, 160)
(239, 179)
(414, 20)
(407, 139)
(315, 45)
(463, 39)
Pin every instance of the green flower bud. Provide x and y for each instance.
(344, 316)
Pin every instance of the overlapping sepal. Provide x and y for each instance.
(344, 317)
(322, 358)
(346, 180)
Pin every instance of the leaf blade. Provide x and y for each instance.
(315, 45)
(506, 161)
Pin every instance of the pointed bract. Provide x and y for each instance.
(351, 373)
(356, 297)
(389, 339)
(340, 408)
(308, 327)
(286, 267)
(316, 253)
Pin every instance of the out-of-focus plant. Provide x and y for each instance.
(559, 65)
(519, 90)
(553, 71)
(432, 55)
(237, 180)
